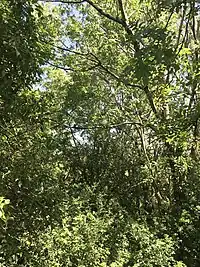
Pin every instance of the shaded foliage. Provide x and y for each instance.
(100, 162)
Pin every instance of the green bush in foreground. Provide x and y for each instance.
(102, 238)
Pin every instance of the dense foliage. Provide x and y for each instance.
(99, 133)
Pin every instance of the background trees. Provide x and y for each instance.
(100, 159)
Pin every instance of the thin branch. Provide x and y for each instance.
(124, 18)
(193, 28)
(95, 60)
(181, 25)
(104, 68)
(98, 9)
(64, 2)
(170, 16)
(60, 67)
(121, 8)
(112, 126)
(103, 13)
(66, 49)
(186, 31)
(193, 19)
(192, 98)
(195, 139)
(185, 35)
(92, 67)
(150, 98)
(115, 75)
(99, 64)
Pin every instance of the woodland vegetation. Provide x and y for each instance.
(99, 133)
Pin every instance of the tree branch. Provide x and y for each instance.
(103, 13)
(170, 16)
(65, 49)
(60, 67)
(112, 126)
(124, 18)
(121, 8)
(64, 2)
(115, 76)
(150, 98)
(181, 25)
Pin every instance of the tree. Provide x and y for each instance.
(26, 27)
(101, 162)
(133, 87)
(23, 44)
